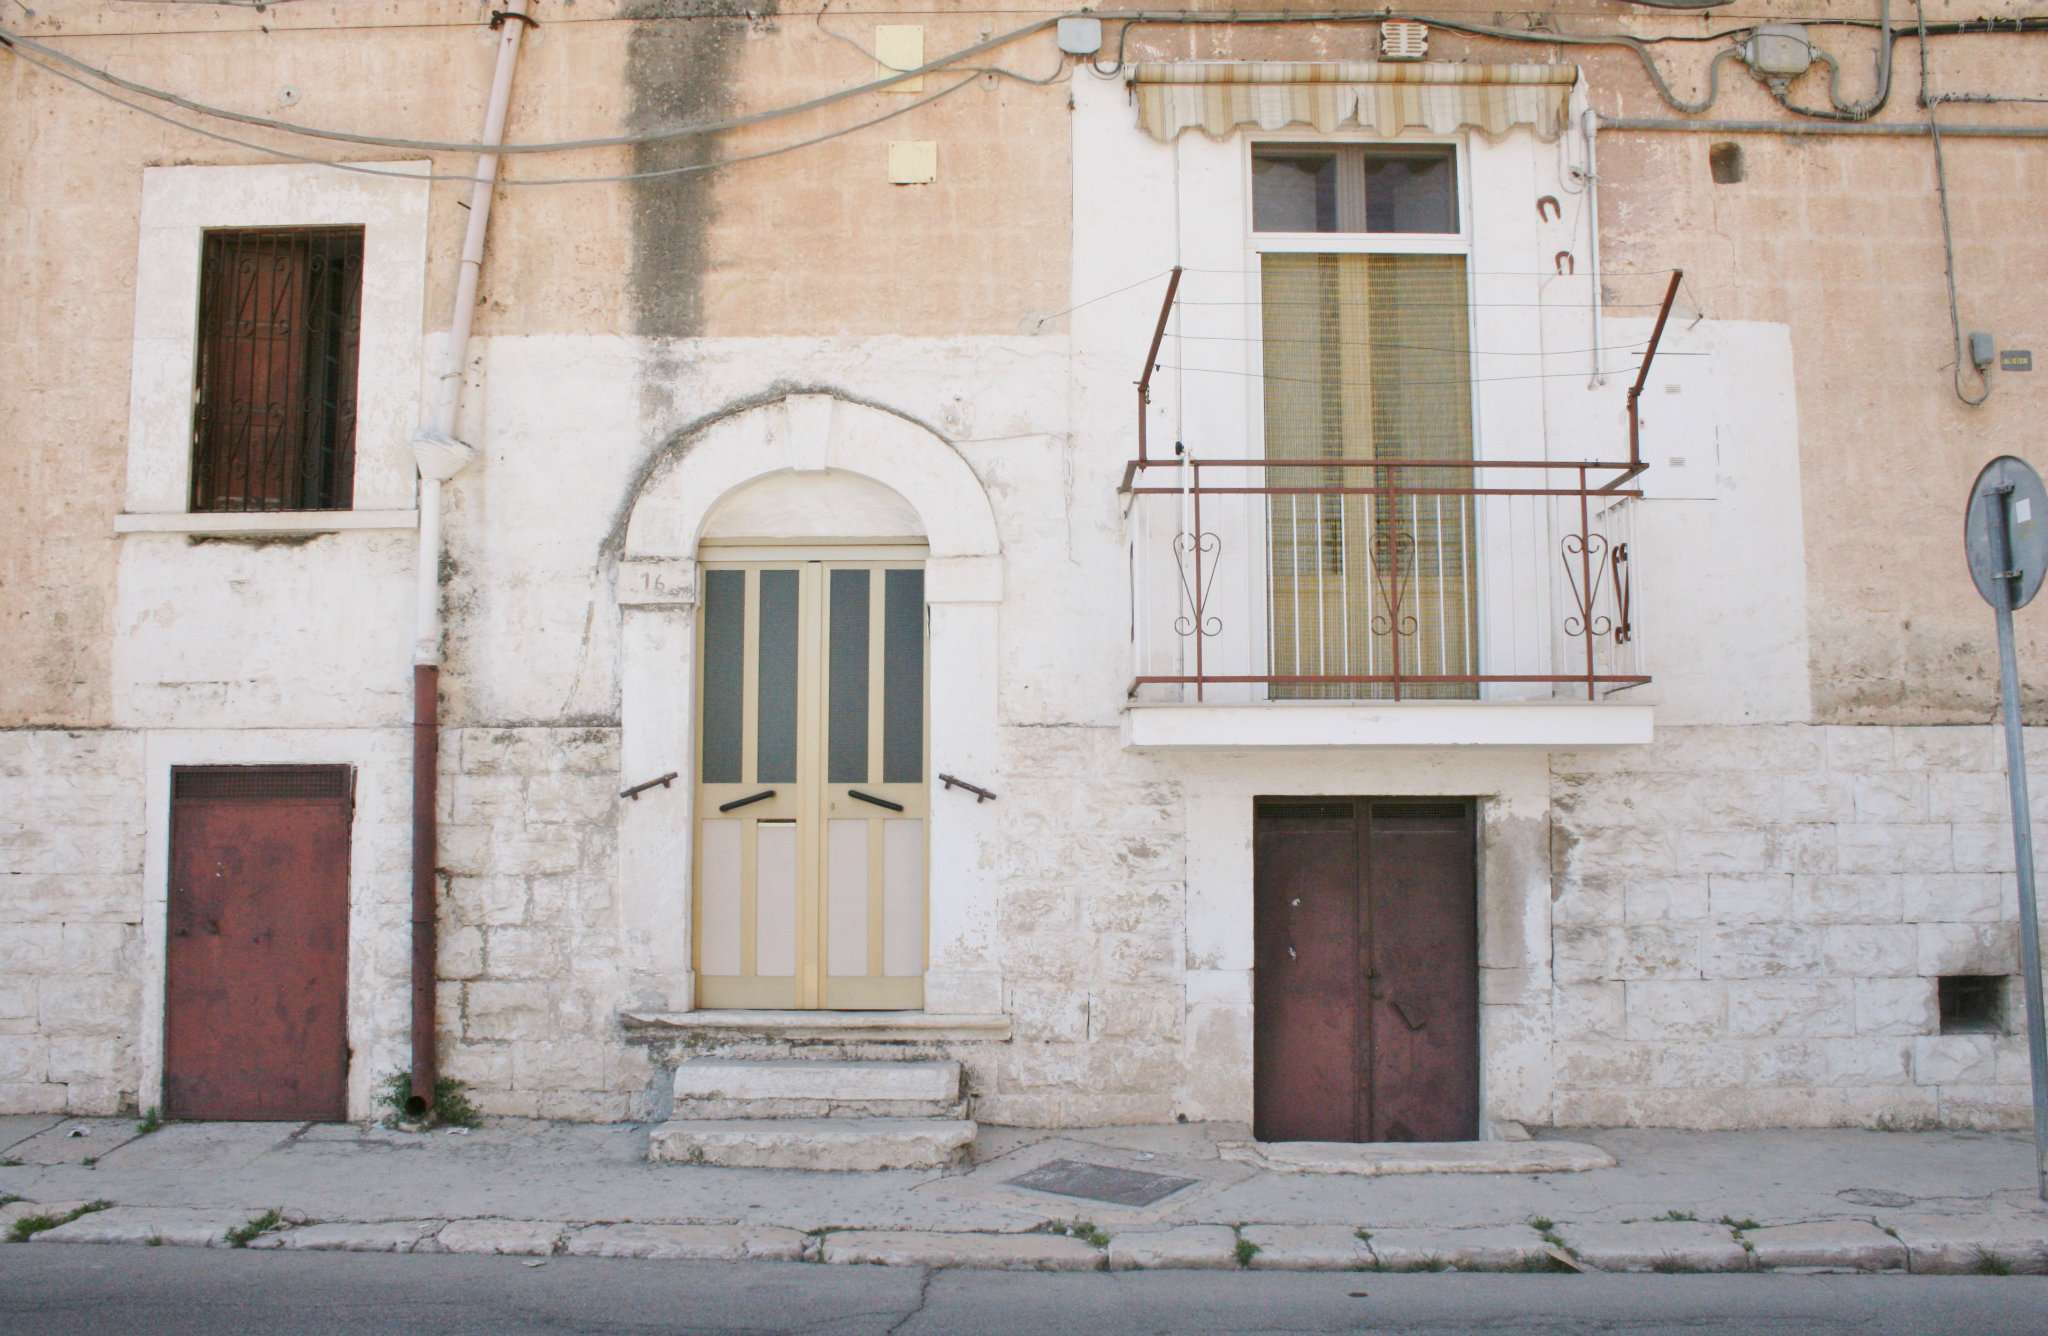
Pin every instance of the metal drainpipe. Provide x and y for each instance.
(440, 457)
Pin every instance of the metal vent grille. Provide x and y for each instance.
(1306, 811)
(1438, 811)
(258, 782)
(1403, 39)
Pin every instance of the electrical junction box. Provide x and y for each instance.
(899, 47)
(1080, 36)
(913, 162)
(1779, 50)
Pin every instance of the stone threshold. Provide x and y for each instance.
(898, 1027)
(1373, 1159)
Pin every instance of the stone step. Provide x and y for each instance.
(732, 1088)
(812, 1143)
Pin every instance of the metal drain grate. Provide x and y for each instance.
(1101, 1182)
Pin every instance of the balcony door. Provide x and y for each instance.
(810, 878)
(1365, 317)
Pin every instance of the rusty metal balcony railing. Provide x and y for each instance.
(1386, 578)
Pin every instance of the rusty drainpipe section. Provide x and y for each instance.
(441, 456)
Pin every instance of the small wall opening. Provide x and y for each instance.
(1724, 160)
(1972, 1004)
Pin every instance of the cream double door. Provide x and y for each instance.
(810, 877)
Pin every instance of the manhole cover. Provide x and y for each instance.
(1875, 1197)
(1101, 1182)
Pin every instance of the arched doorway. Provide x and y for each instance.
(795, 577)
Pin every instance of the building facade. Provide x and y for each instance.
(1378, 579)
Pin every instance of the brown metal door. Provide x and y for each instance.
(1422, 972)
(1307, 1022)
(1365, 995)
(256, 967)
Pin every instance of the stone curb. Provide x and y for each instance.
(1922, 1245)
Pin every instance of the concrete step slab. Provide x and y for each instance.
(823, 1081)
(1373, 1159)
(813, 1143)
(1002, 1252)
(691, 1243)
(1656, 1245)
(1849, 1245)
(1307, 1248)
(1188, 1248)
(721, 1109)
(1491, 1248)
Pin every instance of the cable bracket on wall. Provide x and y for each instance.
(498, 17)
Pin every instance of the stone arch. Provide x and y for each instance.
(809, 433)
(825, 435)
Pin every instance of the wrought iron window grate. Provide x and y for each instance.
(280, 324)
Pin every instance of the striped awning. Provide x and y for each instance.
(1386, 97)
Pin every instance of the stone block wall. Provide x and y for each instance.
(1750, 924)
(71, 841)
(529, 928)
(1090, 933)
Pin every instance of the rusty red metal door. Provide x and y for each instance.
(1366, 990)
(256, 958)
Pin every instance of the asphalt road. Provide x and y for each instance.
(52, 1290)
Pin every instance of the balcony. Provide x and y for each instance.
(1385, 601)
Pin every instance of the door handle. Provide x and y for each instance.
(750, 798)
(871, 798)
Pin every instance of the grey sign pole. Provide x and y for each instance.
(2005, 535)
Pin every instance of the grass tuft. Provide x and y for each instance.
(1675, 1217)
(151, 1121)
(1083, 1230)
(1738, 1225)
(1991, 1264)
(1669, 1266)
(239, 1236)
(29, 1226)
(1245, 1251)
(451, 1101)
(1542, 1224)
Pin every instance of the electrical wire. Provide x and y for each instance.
(1948, 243)
(656, 135)
(1114, 292)
(1849, 111)
(1404, 384)
(1635, 346)
(360, 170)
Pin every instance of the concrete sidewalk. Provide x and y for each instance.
(1928, 1202)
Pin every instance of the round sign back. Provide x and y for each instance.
(2007, 496)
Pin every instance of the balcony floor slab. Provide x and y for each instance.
(1559, 725)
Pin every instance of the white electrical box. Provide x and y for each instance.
(1080, 36)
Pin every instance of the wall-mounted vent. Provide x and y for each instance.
(1285, 811)
(282, 782)
(1437, 811)
(1403, 39)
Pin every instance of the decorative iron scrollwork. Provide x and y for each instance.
(1191, 549)
(1393, 571)
(1623, 631)
(1586, 552)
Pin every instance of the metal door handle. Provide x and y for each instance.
(871, 798)
(750, 798)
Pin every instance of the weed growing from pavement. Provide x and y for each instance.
(1991, 1264)
(1668, 1265)
(1245, 1249)
(1739, 1225)
(1544, 1263)
(451, 1101)
(239, 1236)
(29, 1226)
(154, 1241)
(1542, 1224)
(1083, 1230)
(150, 1122)
(90, 1160)
(1674, 1217)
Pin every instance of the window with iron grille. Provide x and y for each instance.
(280, 321)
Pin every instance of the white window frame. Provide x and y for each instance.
(1260, 244)
(179, 205)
